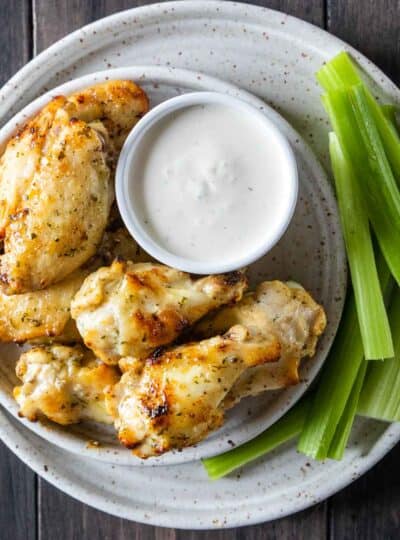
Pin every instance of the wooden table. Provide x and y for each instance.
(32, 509)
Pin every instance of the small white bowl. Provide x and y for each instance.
(124, 178)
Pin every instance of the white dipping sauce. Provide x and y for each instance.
(208, 183)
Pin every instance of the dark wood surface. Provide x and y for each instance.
(30, 508)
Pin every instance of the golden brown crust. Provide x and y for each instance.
(44, 315)
(63, 213)
(55, 183)
(176, 399)
(287, 311)
(40, 314)
(118, 104)
(65, 384)
(131, 309)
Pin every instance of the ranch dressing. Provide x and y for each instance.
(208, 183)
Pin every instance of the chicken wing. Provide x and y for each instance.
(45, 314)
(65, 384)
(113, 107)
(286, 311)
(177, 398)
(131, 309)
(55, 183)
(40, 314)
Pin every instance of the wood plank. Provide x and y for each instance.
(64, 518)
(369, 508)
(17, 498)
(56, 18)
(372, 27)
(297, 526)
(312, 11)
(18, 483)
(15, 37)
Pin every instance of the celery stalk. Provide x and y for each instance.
(285, 429)
(341, 73)
(337, 379)
(372, 317)
(381, 190)
(380, 396)
(383, 200)
(342, 433)
(334, 387)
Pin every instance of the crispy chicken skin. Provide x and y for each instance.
(130, 309)
(40, 314)
(286, 311)
(177, 398)
(60, 218)
(65, 384)
(55, 183)
(117, 105)
(44, 315)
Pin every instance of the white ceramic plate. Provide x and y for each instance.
(275, 57)
(313, 235)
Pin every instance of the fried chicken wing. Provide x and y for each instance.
(55, 183)
(62, 214)
(177, 398)
(40, 314)
(131, 309)
(113, 106)
(65, 384)
(286, 311)
(44, 315)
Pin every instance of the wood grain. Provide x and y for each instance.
(312, 11)
(17, 498)
(64, 518)
(369, 509)
(372, 27)
(53, 19)
(15, 37)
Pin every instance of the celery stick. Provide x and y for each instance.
(341, 73)
(288, 427)
(380, 396)
(334, 387)
(382, 203)
(388, 130)
(342, 433)
(337, 378)
(381, 190)
(372, 317)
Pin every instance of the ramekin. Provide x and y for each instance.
(124, 177)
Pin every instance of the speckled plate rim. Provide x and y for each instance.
(13, 439)
(337, 272)
(314, 37)
(13, 90)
